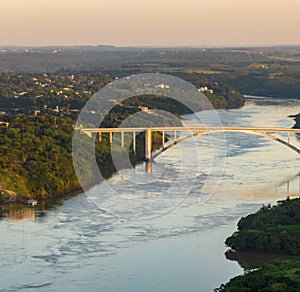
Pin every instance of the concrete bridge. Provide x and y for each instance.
(270, 133)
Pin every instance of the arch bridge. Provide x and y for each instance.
(270, 133)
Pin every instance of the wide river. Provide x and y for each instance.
(77, 246)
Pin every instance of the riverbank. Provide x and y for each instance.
(13, 207)
(277, 276)
(45, 176)
(271, 229)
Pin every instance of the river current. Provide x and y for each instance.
(79, 246)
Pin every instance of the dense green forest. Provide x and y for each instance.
(36, 152)
(277, 276)
(271, 229)
(36, 156)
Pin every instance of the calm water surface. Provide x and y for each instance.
(79, 247)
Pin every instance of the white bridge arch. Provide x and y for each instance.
(270, 133)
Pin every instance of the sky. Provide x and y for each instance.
(150, 23)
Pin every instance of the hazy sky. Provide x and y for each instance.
(153, 23)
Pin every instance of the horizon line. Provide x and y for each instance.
(150, 46)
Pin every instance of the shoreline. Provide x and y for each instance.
(11, 205)
(258, 256)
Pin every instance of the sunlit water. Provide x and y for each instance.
(80, 246)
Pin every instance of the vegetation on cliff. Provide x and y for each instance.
(35, 156)
(40, 110)
(277, 276)
(36, 152)
(271, 229)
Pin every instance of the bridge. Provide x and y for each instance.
(270, 133)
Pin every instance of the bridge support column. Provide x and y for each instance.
(148, 145)
(122, 139)
(99, 136)
(134, 142)
(163, 138)
(148, 167)
(110, 137)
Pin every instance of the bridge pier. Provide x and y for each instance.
(148, 145)
(122, 139)
(133, 142)
(148, 167)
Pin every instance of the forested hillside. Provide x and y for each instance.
(271, 229)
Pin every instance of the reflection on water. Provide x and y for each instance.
(19, 211)
(27, 213)
(253, 260)
(288, 187)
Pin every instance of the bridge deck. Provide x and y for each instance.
(191, 129)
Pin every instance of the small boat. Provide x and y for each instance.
(31, 203)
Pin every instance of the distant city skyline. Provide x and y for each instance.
(150, 23)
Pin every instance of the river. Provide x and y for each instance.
(77, 246)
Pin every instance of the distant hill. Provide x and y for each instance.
(270, 71)
(51, 59)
